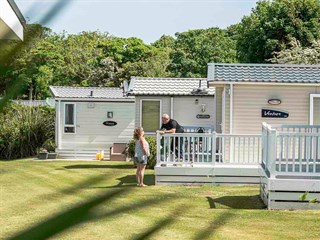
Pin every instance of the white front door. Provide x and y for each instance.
(315, 109)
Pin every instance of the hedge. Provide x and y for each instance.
(24, 130)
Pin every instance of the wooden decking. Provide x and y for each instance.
(284, 160)
(197, 174)
(285, 192)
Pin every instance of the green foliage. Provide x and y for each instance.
(285, 31)
(11, 52)
(154, 66)
(24, 130)
(194, 49)
(298, 54)
(315, 200)
(165, 42)
(49, 145)
(152, 159)
(272, 24)
(304, 196)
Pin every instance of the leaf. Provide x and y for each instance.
(303, 197)
(313, 200)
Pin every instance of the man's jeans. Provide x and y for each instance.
(177, 143)
(174, 146)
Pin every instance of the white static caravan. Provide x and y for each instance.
(187, 100)
(249, 94)
(287, 99)
(90, 119)
(281, 155)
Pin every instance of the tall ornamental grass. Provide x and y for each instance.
(24, 129)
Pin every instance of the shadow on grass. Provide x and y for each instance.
(82, 213)
(160, 225)
(130, 179)
(214, 225)
(86, 166)
(237, 202)
(65, 220)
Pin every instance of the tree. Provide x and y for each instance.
(83, 64)
(126, 53)
(155, 65)
(298, 54)
(11, 51)
(166, 42)
(194, 49)
(272, 24)
(38, 67)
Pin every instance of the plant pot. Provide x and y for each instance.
(52, 155)
(42, 155)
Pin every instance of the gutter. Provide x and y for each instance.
(17, 12)
(264, 83)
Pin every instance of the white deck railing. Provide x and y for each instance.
(238, 149)
(208, 148)
(291, 150)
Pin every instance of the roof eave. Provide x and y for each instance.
(267, 65)
(267, 83)
(169, 94)
(74, 99)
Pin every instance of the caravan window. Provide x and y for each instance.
(150, 115)
(69, 118)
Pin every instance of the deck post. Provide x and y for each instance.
(272, 152)
(214, 146)
(158, 148)
(265, 136)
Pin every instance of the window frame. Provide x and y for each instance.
(160, 111)
(74, 118)
(311, 111)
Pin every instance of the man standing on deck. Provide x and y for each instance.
(172, 126)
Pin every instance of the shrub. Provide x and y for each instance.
(152, 159)
(24, 129)
(49, 145)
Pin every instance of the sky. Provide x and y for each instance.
(144, 19)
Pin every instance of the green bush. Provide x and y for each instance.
(24, 129)
(152, 159)
(49, 145)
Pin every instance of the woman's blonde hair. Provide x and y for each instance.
(137, 133)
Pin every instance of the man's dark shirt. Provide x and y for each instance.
(172, 124)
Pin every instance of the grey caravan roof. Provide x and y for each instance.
(169, 86)
(88, 92)
(264, 73)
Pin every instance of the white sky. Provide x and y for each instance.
(145, 19)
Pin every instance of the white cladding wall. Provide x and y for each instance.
(91, 133)
(185, 110)
(248, 100)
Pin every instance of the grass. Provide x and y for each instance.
(99, 200)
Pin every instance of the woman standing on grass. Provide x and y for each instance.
(141, 155)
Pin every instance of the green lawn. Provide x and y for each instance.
(99, 200)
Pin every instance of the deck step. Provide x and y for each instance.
(214, 174)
